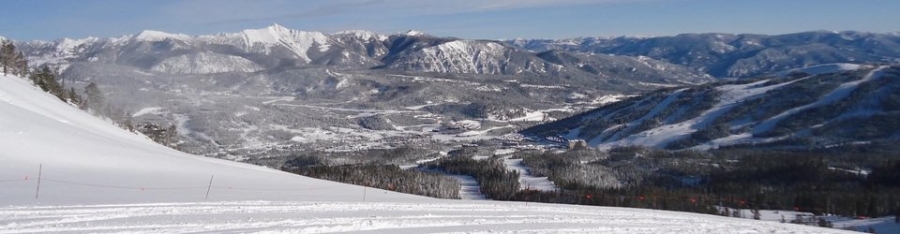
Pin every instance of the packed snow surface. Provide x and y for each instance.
(62, 170)
(526, 180)
(824, 68)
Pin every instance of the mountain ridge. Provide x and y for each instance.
(793, 109)
(739, 55)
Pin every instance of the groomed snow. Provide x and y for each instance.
(526, 180)
(837, 94)
(97, 178)
(823, 68)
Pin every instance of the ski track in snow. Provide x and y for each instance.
(468, 187)
(526, 180)
(732, 94)
(633, 124)
(839, 93)
(312, 217)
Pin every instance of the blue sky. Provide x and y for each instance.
(474, 19)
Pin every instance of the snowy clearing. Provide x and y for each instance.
(147, 110)
(526, 180)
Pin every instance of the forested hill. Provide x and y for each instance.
(739, 55)
(818, 107)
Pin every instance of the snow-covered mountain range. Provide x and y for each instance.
(739, 55)
(276, 87)
(214, 86)
(277, 47)
(64, 170)
(816, 107)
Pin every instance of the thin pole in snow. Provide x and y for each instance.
(364, 192)
(208, 187)
(40, 171)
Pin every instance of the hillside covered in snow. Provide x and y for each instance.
(64, 170)
(816, 107)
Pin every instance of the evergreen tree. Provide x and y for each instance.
(21, 64)
(95, 99)
(128, 122)
(45, 78)
(7, 56)
(73, 97)
(171, 136)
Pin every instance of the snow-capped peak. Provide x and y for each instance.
(265, 38)
(151, 35)
(415, 33)
(66, 47)
(362, 34)
(277, 34)
(277, 28)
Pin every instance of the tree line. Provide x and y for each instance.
(388, 177)
(743, 179)
(11, 60)
(850, 183)
(495, 181)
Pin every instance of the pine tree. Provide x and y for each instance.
(95, 99)
(45, 78)
(73, 97)
(128, 122)
(171, 136)
(20, 64)
(7, 55)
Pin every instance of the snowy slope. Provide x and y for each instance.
(822, 69)
(768, 109)
(263, 40)
(458, 57)
(97, 178)
(205, 63)
(88, 161)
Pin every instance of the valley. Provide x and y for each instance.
(748, 122)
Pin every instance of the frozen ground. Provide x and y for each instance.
(62, 170)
